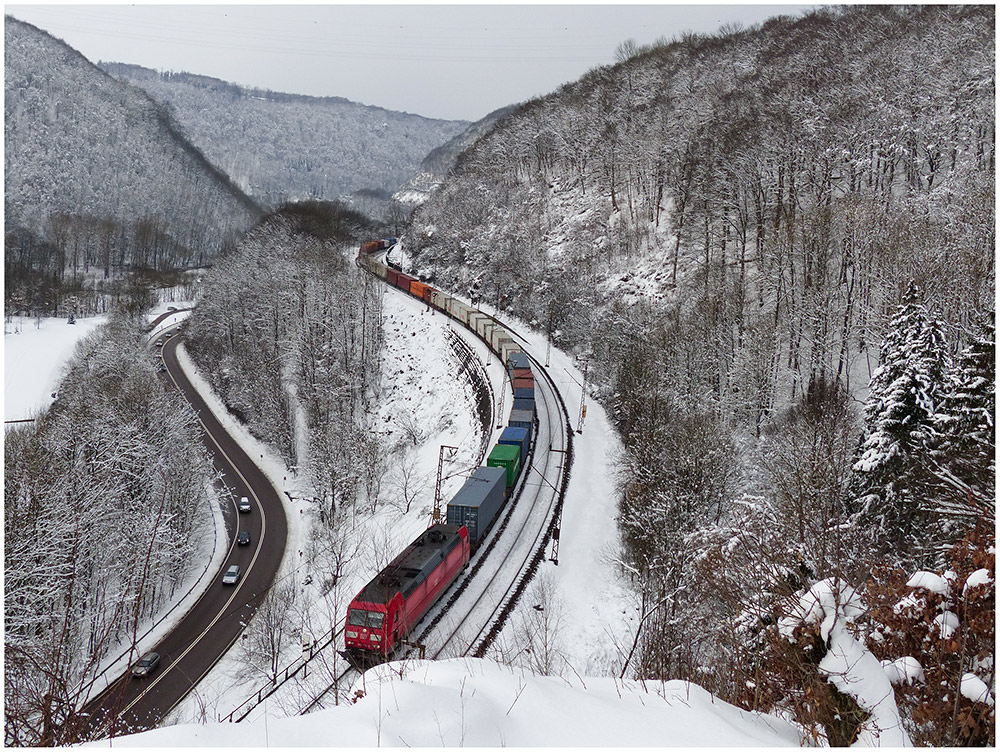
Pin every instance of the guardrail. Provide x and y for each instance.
(292, 669)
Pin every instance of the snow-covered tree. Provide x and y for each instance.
(893, 458)
(963, 439)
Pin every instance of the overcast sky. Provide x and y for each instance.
(445, 61)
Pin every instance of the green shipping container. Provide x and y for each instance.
(508, 457)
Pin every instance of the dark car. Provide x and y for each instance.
(244, 505)
(243, 539)
(145, 665)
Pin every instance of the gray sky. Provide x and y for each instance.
(443, 61)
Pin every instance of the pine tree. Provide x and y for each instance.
(893, 465)
(964, 437)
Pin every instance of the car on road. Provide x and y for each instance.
(232, 575)
(145, 665)
(243, 539)
(244, 505)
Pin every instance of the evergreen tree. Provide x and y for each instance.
(893, 466)
(964, 438)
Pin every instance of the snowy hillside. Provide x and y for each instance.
(283, 147)
(91, 164)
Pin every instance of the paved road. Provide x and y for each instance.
(217, 619)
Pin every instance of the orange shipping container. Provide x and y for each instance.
(418, 288)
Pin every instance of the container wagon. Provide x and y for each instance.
(516, 436)
(509, 458)
(478, 501)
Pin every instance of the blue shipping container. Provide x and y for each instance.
(479, 501)
(517, 360)
(524, 392)
(518, 437)
(522, 419)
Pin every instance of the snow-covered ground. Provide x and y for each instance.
(478, 703)
(35, 353)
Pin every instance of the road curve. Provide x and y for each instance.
(218, 618)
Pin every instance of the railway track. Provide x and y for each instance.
(482, 600)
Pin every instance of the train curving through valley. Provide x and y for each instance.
(383, 615)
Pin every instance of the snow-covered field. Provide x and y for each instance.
(34, 354)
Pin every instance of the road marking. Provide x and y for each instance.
(253, 560)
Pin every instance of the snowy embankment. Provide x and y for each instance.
(478, 703)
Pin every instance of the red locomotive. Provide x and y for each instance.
(389, 606)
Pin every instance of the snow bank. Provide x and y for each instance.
(976, 579)
(904, 670)
(929, 581)
(477, 703)
(976, 689)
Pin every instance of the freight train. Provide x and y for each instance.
(384, 613)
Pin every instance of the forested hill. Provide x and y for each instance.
(747, 237)
(281, 147)
(98, 177)
(439, 161)
(774, 187)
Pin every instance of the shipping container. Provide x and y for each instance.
(516, 436)
(379, 268)
(524, 404)
(485, 325)
(370, 247)
(460, 311)
(522, 419)
(523, 373)
(500, 335)
(487, 330)
(418, 288)
(507, 457)
(507, 349)
(392, 277)
(478, 501)
(440, 300)
(403, 281)
(517, 360)
(523, 388)
(474, 318)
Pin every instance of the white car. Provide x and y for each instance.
(232, 575)
(244, 505)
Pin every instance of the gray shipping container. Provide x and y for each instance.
(479, 501)
(522, 419)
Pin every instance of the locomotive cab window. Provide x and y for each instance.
(361, 618)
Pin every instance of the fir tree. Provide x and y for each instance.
(964, 438)
(893, 465)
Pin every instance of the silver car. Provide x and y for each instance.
(244, 505)
(232, 575)
(145, 665)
